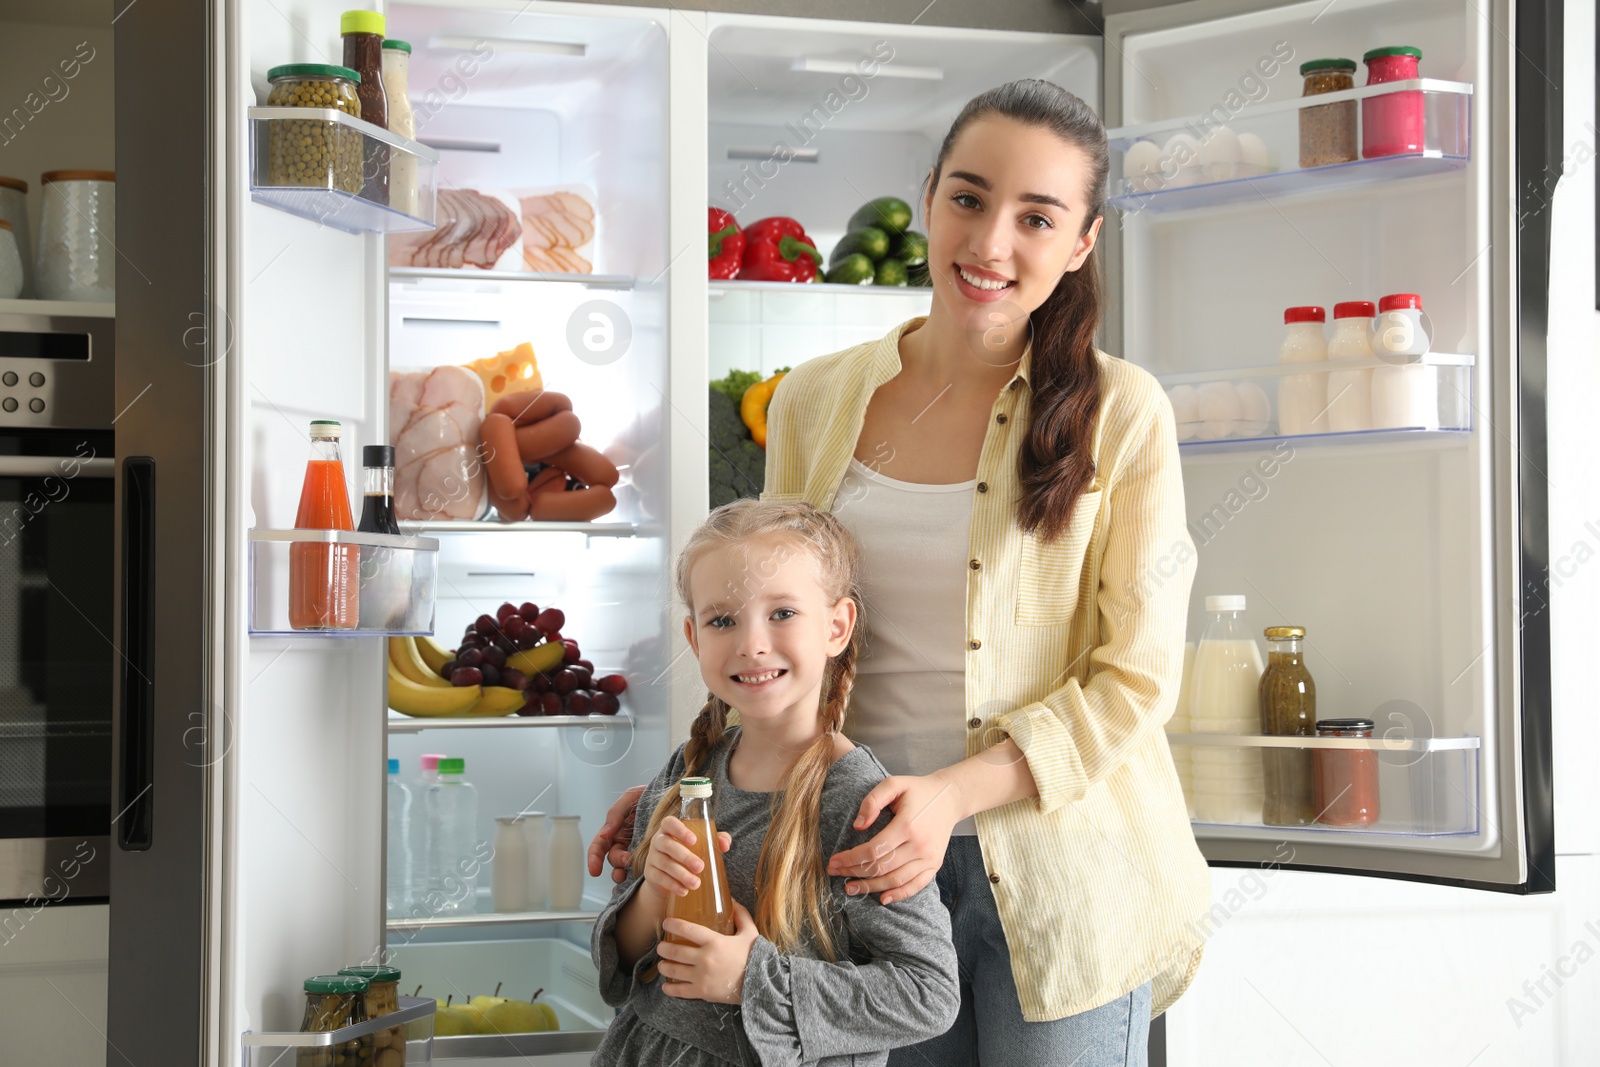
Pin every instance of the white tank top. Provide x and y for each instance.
(910, 698)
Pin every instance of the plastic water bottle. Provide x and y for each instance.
(427, 774)
(397, 882)
(452, 839)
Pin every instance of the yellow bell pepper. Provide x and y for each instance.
(753, 408)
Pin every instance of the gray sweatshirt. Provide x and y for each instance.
(895, 982)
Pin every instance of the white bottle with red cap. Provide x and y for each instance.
(1303, 398)
(1350, 391)
(1405, 394)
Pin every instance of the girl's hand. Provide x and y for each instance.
(615, 836)
(713, 967)
(672, 868)
(906, 854)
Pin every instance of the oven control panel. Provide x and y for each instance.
(56, 371)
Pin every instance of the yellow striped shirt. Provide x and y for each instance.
(1076, 653)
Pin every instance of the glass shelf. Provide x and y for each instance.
(395, 579)
(417, 275)
(336, 196)
(408, 725)
(416, 1014)
(489, 919)
(1373, 744)
(719, 288)
(464, 526)
(1178, 177)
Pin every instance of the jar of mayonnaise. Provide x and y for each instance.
(1303, 398)
(1350, 391)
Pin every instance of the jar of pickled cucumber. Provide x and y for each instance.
(312, 153)
(383, 998)
(334, 1001)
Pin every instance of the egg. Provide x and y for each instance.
(1255, 410)
(1179, 161)
(1141, 167)
(1219, 155)
(1253, 152)
(1185, 410)
(1220, 410)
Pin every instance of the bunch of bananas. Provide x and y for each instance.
(417, 689)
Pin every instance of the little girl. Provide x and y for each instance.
(811, 975)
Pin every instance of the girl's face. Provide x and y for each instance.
(1006, 220)
(764, 629)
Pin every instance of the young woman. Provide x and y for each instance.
(814, 976)
(1026, 572)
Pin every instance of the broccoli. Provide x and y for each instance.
(735, 384)
(738, 464)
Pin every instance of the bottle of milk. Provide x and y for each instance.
(1224, 698)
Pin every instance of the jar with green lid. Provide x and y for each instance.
(334, 1001)
(313, 153)
(1328, 132)
(383, 998)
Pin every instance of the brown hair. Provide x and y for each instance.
(1056, 462)
(792, 875)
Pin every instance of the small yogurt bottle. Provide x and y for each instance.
(1405, 392)
(1350, 391)
(1303, 398)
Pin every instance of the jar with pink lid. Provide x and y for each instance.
(1392, 123)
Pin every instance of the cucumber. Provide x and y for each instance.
(910, 248)
(868, 241)
(888, 213)
(854, 269)
(891, 272)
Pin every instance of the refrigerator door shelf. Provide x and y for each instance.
(588, 529)
(1427, 786)
(416, 1014)
(495, 918)
(1194, 163)
(398, 577)
(339, 194)
(418, 275)
(403, 725)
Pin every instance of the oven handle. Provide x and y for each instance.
(136, 778)
(45, 466)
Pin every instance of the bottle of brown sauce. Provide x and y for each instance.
(363, 53)
(1288, 709)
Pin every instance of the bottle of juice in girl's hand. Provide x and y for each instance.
(324, 579)
(711, 905)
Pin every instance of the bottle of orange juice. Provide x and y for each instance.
(324, 579)
(711, 905)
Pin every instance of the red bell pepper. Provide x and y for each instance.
(727, 244)
(778, 250)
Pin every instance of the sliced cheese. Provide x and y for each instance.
(515, 370)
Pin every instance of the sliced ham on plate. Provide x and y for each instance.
(471, 230)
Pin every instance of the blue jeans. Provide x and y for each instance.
(990, 1028)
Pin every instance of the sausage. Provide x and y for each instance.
(507, 479)
(585, 464)
(514, 509)
(539, 440)
(531, 406)
(580, 505)
(549, 480)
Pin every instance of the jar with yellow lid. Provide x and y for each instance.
(314, 153)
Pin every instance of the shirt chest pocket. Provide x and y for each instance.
(1050, 575)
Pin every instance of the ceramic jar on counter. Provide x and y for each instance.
(14, 209)
(77, 257)
(10, 264)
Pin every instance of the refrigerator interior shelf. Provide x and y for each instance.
(340, 192)
(591, 529)
(418, 275)
(515, 1046)
(1189, 167)
(1376, 744)
(496, 918)
(400, 724)
(720, 289)
(1317, 831)
(395, 579)
(77, 309)
(415, 1014)
(1284, 370)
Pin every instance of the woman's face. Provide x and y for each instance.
(1006, 220)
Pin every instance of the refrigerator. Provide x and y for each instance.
(249, 845)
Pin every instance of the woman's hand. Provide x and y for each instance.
(672, 868)
(712, 968)
(615, 836)
(906, 854)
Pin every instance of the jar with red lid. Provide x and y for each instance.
(1392, 123)
(1345, 780)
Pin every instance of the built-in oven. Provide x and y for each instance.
(57, 657)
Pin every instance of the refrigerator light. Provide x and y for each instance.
(886, 70)
(448, 43)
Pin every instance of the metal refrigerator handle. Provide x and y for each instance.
(45, 466)
(135, 803)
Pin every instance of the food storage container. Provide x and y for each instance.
(383, 998)
(10, 264)
(1328, 132)
(76, 257)
(14, 209)
(1345, 780)
(414, 1017)
(334, 1002)
(310, 153)
(1392, 123)
(396, 588)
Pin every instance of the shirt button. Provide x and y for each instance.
(1000, 418)
(974, 645)
(975, 565)
(983, 487)
(994, 879)
(974, 723)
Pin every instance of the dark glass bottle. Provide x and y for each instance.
(377, 504)
(363, 53)
(1288, 709)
